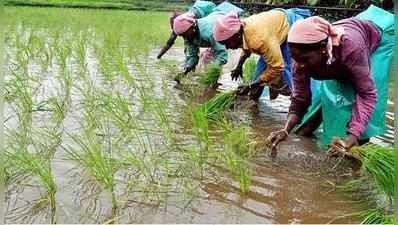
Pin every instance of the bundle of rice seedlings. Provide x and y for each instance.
(249, 68)
(100, 164)
(216, 105)
(379, 164)
(376, 216)
(210, 78)
(201, 127)
(238, 150)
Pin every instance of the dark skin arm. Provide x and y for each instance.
(238, 71)
(278, 136)
(170, 42)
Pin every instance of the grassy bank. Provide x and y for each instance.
(162, 5)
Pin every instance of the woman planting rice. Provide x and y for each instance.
(264, 34)
(199, 10)
(352, 56)
(198, 33)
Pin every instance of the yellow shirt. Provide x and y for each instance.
(264, 34)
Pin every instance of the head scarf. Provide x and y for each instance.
(183, 22)
(172, 18)
(313, 30)
(226, 26)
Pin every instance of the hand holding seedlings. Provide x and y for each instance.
(189, 68)
(251, 89)
(341, 148)
(178, 77)
(237, 73)
(274, 139)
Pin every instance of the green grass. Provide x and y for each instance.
(104, 4)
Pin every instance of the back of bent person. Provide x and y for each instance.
(352, 57)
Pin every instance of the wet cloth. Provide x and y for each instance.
(218, 53)
(202, 8)
(354, 95)
(227, 7)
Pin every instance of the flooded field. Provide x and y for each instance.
(98, 132)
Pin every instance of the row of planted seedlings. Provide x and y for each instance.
(31, 145)
(86, 95)
(91, 102)
(225, 144)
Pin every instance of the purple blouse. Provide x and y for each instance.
(351, 64)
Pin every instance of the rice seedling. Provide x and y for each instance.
(376, 216)
(66, 82)
(210, 77)
(164, 121)
(369, 215)
(199, 156)
(105, 67)
(24, 163)
(379, 173)
(122, 68)
(237, 152)
(216, 105)
(201, 127)
(99, 162)
(248, 69)
(56, 105)
(378, 164)
(80, 49)
(63, 53)
(119, 110)
(22, 88)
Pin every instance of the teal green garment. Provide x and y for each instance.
(229, 7)
(202, 8)
(206, 40)
(337, 99)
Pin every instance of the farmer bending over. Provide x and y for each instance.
(198, 33)
(264, 34)
(352, 58)
(200, 9)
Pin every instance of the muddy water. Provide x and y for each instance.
(290, 189)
